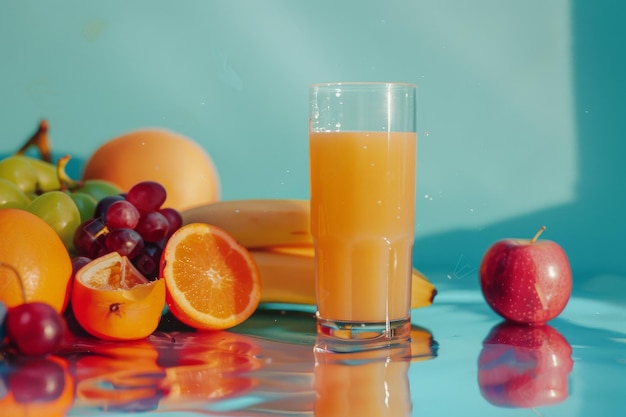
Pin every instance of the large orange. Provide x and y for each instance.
(212, 281)
(183, 167)
(30, 247)
(113, 301)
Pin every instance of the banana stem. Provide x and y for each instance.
(40, 140)
(66, 182)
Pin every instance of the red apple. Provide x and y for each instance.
(524, 366)
(526, 280)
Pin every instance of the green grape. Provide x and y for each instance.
(11, 195)
(85, 203)
(47, 178)
(58, 210)
(30, 174)
(98, 189)
(19, 171)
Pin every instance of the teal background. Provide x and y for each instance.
(520, 114)
(520, 103)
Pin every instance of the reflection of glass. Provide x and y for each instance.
(363, 142)
(368, 383)
(524, 366)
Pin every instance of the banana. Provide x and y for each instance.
(288, 276)
(277, 232)
(257, 223)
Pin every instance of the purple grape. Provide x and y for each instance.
(122, 214)
(147, 262)
(152, 226)
(147, 196)
(104, 204)
(78, 262)
(174, 219)
(89, 237)
(126, 242)
(35, 328)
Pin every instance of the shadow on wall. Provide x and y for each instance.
(592, 228)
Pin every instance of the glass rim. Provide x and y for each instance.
(364, 84)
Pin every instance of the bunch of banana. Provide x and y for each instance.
(277, 234)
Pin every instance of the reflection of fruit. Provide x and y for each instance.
(37, 253)
(527, 281)
(208, 365)
(112, 300)
(204, 383)
(38, 387)
(288, 276)
(35, 329)
(212, 281)
(257, 223)
(178, 163)
(423, 346)
(118, 376)
(524, 366)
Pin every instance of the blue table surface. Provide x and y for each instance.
(576, 366)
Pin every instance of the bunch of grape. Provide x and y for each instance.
(134, 225)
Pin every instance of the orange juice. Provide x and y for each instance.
(362, 221)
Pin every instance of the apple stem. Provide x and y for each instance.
(17, 276)
(539, 232)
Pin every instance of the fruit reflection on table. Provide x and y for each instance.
(168, 371)
(524, 366)
(40, 386)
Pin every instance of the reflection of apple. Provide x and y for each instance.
(526, 280)
(37, 380)
(524, 366)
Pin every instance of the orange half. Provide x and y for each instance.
(112, 300)
(212, 281)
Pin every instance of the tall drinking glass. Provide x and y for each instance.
(363, 145)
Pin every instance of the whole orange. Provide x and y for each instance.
(182, 166)
(33, 250)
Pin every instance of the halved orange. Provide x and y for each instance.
(212, 282)
(112, 300)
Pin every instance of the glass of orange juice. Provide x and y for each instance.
(363, 146)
